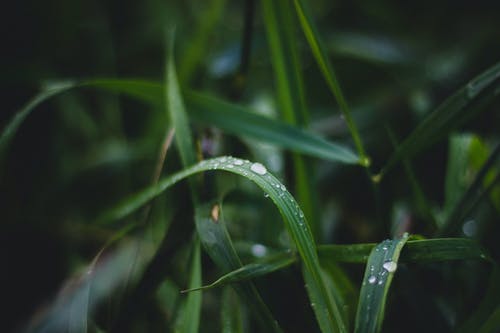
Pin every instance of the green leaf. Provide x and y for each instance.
(379, 271)
(231, 316)
(251, 271)
(326, 68)
(232, 118)
(298, 228)
(415, 251)
(462, 105)
(188, 320)
(239, 120)
(217, 243)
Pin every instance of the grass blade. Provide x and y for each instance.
(415, 251)
(251, 271)
(380, 269)
(293, 218)
(231, 316)
(240, 121)
(451, 113)
(189, 318)
(326, 68)
(217, 243)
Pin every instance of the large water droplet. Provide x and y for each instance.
(372, 279)
(258, 169)
(238, 162)
(390, 266)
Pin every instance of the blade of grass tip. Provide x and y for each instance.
(462, 105)
(188, 320)
(251, 271)
(217, 243)
(329, 316)
(380, 268)
(278, 21)
(318, 50)
(231, 316)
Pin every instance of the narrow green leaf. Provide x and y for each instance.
(251, 271)
(217, 243)
(232, 118)
(189, 317)
(290, 90)
(239, 120)
(329, 316)
(321, 56)
(231, 316)
(379, 271)
(415, 251)
(462, 105)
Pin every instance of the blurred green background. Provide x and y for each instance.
(81, 152)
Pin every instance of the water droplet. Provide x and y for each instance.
(372, 279)
(238, 162)
(258, 169)
(301, 214)
(380, 282)
(384, 248)
(390, 266)
(283, 188)
(266, 195)
(230, 166)
(259, 250)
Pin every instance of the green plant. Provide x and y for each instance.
(146, 254)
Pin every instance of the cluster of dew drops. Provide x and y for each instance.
(247, 168)
(387, 267)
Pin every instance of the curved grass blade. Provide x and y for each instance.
(319, 52)
(251, 271)
(232, 118)
(380, 269)
(328, 315)
(217, 243)
(451, 113)
(189, 317)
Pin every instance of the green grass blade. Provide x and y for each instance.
(189, 318)
(231, 316)
(290, 90)
(293, 218)
(415, 251)
(380, 269)
(451, 113)
(232, 118)
(217, 243)
(239, 120)
(328, 72)
(251, 271)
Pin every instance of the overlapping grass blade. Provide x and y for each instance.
(462, 105)
(293, 217)
(379, 271)
(217, 243)
(328, 72)
(251, 271)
